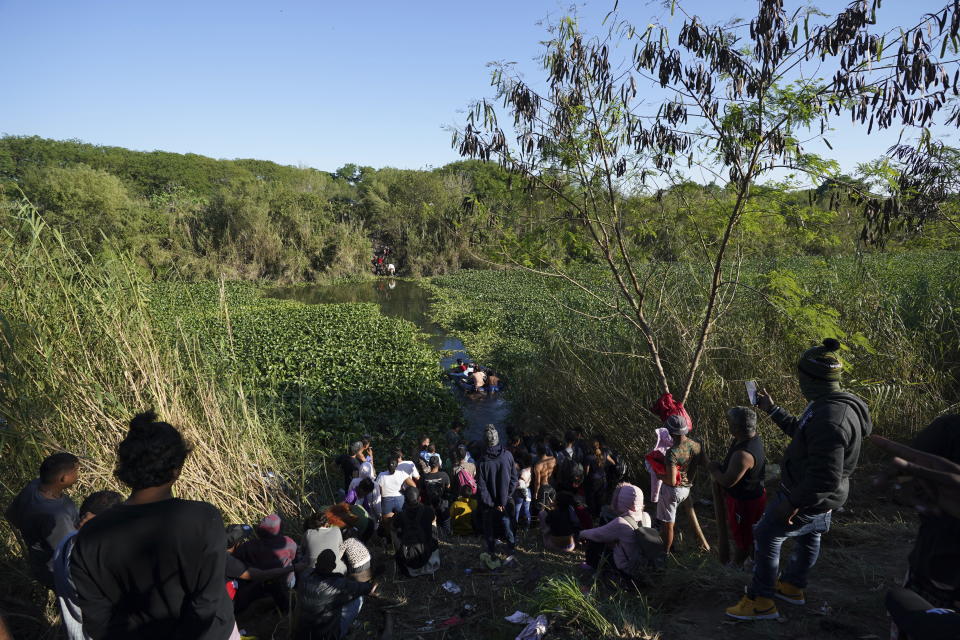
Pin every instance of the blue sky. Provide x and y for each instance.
(315, 83)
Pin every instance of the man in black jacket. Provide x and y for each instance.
(496, 481)
(329, 602)
(815, 479)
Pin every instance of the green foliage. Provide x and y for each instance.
(805, 321)
(190, 217)
(338, 369)
(620, 615)
(82, 351)
(570, 365)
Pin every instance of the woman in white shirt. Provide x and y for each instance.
(391, 483)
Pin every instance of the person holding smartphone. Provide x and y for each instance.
(817, 464)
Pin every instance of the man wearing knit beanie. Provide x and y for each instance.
(815, 480)
(497, 479)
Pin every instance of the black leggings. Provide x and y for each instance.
(916, 618)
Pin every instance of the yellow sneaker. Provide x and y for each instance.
(789, 593)
(758, 608)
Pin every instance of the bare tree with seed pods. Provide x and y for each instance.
(735, 102)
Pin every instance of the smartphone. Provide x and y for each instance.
(752, 391)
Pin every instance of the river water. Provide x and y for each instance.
(408, 300)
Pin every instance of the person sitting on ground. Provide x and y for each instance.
(559, 524)
(679, 465)
(931, 471)
(270, 549)
(493, 381)
(390, 483)
(436, 491)
(596, 463)
(461, 513)
(496, 481)
(616, 538)
(349, 463)
(118, 555)
(319, 533)
(43, 514)
(817, 465)
(329, 601)
(95, 504)
(741, 476)
(356, 556)
(418, 551)
(242, 578)
(522, 497)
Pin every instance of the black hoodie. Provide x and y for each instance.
(496, 477)
(825, 449)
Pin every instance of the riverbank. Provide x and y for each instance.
(863, 555)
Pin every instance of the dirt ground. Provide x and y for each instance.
(863, 554)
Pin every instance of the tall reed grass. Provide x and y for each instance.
(567, 370)
(80, 355)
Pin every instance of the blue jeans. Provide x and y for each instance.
(522, 506)
(391, 504)
(349, 613)
(491, 520)
(770, 533)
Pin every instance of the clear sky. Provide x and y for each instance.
(316, 83)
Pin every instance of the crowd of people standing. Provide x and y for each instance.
(155, 566)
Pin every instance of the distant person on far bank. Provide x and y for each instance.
(815, 480)
(43, 514)
(741, 476)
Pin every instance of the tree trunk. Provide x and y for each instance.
(695, 524)
(723, 533)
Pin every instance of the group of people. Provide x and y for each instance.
(473, 378)
(382, 266)
(150, 565)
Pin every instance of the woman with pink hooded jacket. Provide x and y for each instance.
(627, 504)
